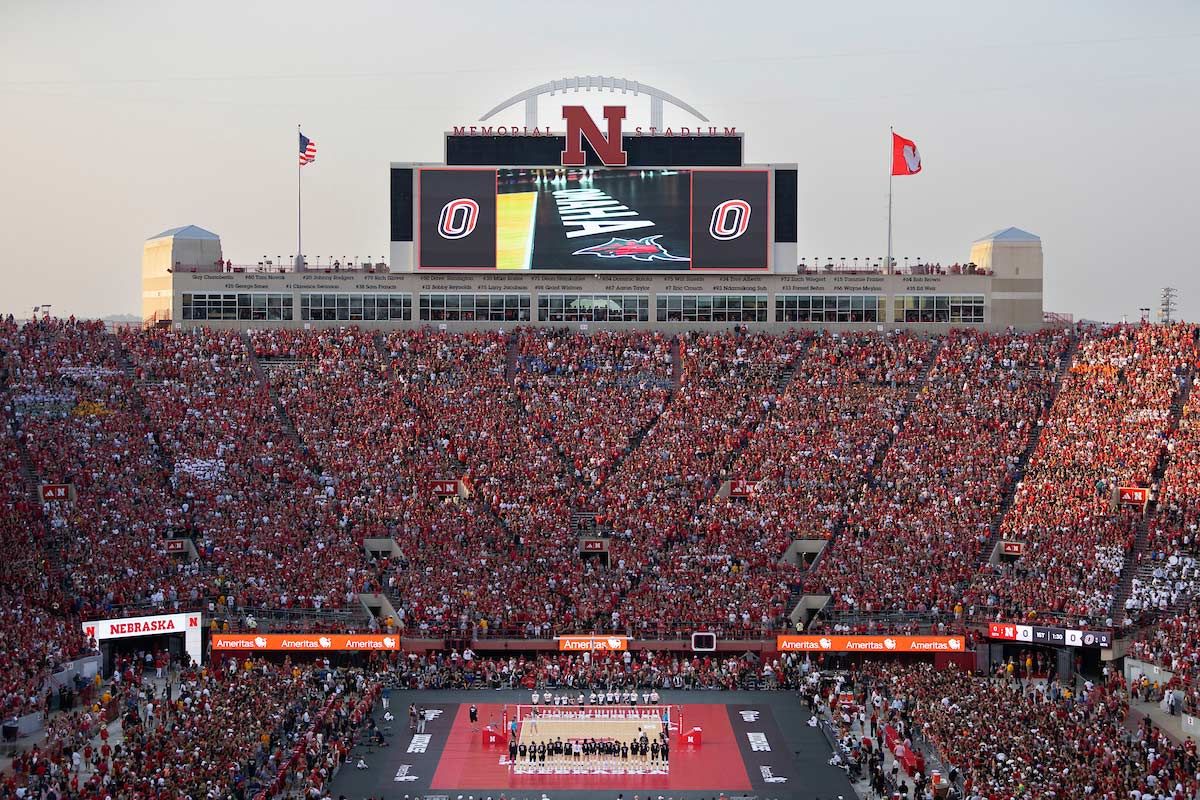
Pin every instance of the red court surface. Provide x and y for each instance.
(717, 764)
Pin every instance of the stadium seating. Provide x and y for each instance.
(843, 403)
(279, 453)
(236, 730)
(1058, 741)
(1168, 572)
(1108, 428)
(914, 535)
(268, 527)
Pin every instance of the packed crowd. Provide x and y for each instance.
(1174, 644)
(232, 729)
(1107, 429)
(1012, 738)
(268, 527)
(914, 536)
(899, 448)
(846, 398)
(111, 535)
(575, 678)
(1169, 574)
(593, 394)
(684, 564)
(39, 626)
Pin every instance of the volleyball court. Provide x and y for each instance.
(592, 739)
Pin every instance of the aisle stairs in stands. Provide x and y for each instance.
(781, 381)
(262, 372)
(801, 600)
(1136, 563)
(385, 354)
(1018, 473)
(138, 403)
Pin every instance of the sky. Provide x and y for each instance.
(1077, 120)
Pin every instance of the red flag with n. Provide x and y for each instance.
(906, 159)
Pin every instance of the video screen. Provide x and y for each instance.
(595, 220)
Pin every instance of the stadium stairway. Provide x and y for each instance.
(385, 354)
(799, 593)
(1135, 562)
(510, 360)
(31, 479)
(781, 381)
(53, 545)
(261, 373)
(1022, 464)
(139, 405)
(635, 441)
(583, 523)
(676, 363)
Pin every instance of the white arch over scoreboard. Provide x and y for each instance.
(127, 627)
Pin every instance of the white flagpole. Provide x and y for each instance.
(299, 264)
(887, 268)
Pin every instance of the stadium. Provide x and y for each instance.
(598, 487)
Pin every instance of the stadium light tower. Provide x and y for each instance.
(1167, 305)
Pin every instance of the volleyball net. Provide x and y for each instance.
(669, 716)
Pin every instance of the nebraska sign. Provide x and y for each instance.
(580, 126)
(187, 624)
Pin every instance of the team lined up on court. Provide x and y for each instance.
(592, 754)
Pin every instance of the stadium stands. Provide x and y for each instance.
(915, 534)
(279, 453)
(1107, 429)
(1058, 741)
(233, 731)
(1168, 573)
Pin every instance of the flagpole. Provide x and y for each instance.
(299, 240)
(887, 270)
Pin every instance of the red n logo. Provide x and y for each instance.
(580, 124)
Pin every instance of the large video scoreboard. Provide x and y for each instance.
(592, 219)
(712, 214)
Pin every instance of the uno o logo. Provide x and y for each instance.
(730, 220)
(458, 218)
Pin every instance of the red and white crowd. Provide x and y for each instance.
(913, 535)
(231, 729)
(1009, 738)
(1169, 573)
(1107, 429)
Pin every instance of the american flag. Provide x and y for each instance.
(308, 150)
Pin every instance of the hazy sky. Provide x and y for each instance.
(1078, 121)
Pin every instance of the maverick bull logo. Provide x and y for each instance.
(645, 249)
